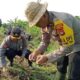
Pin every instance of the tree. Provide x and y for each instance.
(78, 17)
(18, 22)
(0, 22)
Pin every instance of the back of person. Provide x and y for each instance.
(72, 22)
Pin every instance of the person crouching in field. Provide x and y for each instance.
(12, 45)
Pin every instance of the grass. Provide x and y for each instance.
(21, 71)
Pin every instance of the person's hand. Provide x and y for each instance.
(33, 56)
(41, 59)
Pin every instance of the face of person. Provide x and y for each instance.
(44, 21)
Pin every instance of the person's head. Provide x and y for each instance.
(15, 33)
(37, 14)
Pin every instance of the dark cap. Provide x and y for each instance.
(16, 32)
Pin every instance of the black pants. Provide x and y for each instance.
(74, 66)
(10, 53)
(62, 64)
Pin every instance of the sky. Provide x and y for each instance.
(10, 9)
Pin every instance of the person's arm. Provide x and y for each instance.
(3, 46)
(52, 57)
(44, 43)
(57, 54)
(24, 42)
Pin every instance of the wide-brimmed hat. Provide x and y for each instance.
(35, 11)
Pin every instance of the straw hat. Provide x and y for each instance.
(34, 12)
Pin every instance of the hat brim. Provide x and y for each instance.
(39, 15)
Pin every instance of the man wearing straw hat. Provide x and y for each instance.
(59, 26)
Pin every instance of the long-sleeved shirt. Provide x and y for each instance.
(10, 44)
(73, 23)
